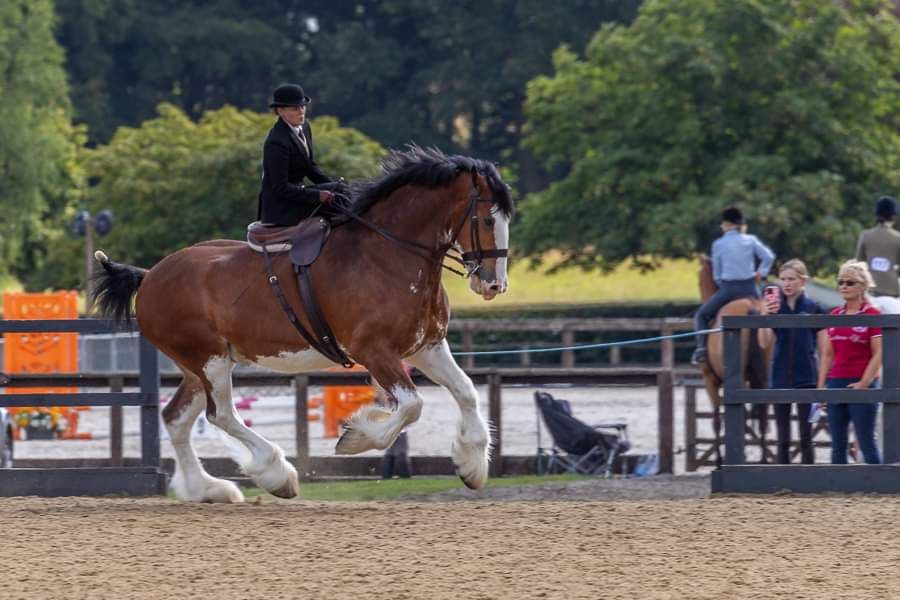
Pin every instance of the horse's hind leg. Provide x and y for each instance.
(471, 448)
(374, 427)
(191, 482)
(267, 465)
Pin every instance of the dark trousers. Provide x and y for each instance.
(783, 424)
(728, 291)
(863, 418)
(396, 459)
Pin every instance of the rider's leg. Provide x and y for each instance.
(728, 291)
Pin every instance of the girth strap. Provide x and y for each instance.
(323, 341)
(320, 326)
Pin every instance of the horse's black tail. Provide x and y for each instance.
(113, 288)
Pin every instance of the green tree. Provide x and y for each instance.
(788, 108)
(38, 178)
(174, 182)
(451, 73)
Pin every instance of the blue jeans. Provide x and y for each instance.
(728, 291)
(863, 418)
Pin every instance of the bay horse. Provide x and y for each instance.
(755, 364)
(209, 307)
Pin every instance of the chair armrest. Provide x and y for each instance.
(611, 425)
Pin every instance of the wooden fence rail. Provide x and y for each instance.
(495, 379)
(566, 329)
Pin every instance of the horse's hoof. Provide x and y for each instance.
(353, 442)
(290, 489)
(473, 481)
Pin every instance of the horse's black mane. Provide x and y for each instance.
(427, 167)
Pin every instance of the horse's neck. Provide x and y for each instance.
(708, 285)
(414, 215)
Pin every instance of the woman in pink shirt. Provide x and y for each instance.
(851, 358)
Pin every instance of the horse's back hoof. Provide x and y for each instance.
(289, 490)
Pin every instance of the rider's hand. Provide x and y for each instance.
(326, 197)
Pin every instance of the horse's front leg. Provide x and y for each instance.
(471, 449)
(375, 427)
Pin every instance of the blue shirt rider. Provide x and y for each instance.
(734, 263)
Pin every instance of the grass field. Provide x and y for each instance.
(386, 489)
(676, 280)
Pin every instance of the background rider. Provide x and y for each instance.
(879, 248)
(734, 257)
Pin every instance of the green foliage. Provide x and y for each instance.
(38, 174)
(174, 182)
(450, 73)
(789, 108)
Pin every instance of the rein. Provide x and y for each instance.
(471, 261)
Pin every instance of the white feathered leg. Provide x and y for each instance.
(191, 482)
(267, 465)
(471, 449)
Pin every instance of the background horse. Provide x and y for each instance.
(210, 307)
(755, 363)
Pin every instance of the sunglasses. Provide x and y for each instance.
(846, 282)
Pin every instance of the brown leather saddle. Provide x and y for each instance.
(303, 243)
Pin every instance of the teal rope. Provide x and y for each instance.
(592, 346)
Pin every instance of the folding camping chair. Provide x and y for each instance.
(577, 447)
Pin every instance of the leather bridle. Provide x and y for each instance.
(471, 261)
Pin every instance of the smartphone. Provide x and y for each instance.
(772, 295)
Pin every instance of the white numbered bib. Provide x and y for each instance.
(880, 264)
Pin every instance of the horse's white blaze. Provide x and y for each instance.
(501, 240)
(293, 362)
(267, 465)
(471, 449)
(190, 482)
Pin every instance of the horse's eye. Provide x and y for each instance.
(489, 221)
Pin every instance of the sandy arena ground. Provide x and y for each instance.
(698, 548)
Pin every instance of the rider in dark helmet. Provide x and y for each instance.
(879, 247)
(288, 158)
(734, 257)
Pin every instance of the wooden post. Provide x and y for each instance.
(615, 355)
(116, 457)
(568, 356)
(667, 348)
(301, 427)
(468, 344)
(495, 414)
(148, 359)
(525, 358)
(890, 421)
(734, 413)
(690, 428)
(665, 381)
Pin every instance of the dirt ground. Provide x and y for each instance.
(599, 539)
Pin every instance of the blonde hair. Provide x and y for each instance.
(859, 271)
(797, 265)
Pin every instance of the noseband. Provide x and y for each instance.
(471, 261)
